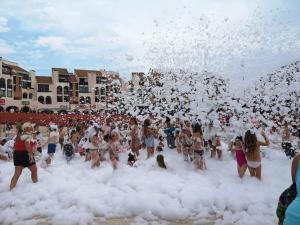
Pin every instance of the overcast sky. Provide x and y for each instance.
(235, 38)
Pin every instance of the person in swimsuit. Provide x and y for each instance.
(23, 155)
(135, 140)
(252, 147)
(292, 214)
(240, 156)
(198, 147)
(148, 137)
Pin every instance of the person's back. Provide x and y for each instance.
(292, 214)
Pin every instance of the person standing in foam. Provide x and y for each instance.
(23, 155)
(148, 137)
(292, 214)
(252, 149)
(53, 140)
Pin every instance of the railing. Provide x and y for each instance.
(67, 120)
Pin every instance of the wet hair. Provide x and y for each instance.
(161, 161)
(134, 120)
(197, 128)
(250, 141)
(161, 138)
(147, 123)
(107, 138)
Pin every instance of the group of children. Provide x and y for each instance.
(98, 143)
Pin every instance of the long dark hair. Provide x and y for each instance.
(147, 123)
(197, 128)
(250, 141)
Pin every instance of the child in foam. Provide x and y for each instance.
(241, 160)
(252, 149)
(23, 154)
(148, 137)
(53, 140)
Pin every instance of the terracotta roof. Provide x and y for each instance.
(84, 73)
(16, 68)
(43, 80)
(62, 71)
(73, 79)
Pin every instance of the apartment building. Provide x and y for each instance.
(16, 87)
(63, 90)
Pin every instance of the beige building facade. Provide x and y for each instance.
(22, 90)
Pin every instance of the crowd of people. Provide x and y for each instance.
(192, 139)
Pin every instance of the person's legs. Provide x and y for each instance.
(252, 172)
(219, 153)
(242, 170)
(17, 174)
(213, 151)
(33, 170)
(258, 172)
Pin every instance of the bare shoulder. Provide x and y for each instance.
(296, 159)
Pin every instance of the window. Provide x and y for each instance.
(41, 99)
(26, 81)
(2, 83)
(9, 84)
(88, 100)
(43, 88)
(48, 100)
(102, 92)
(25, 95)
(63, 78)
(30, 96)
(9, 93)
(2, 93)
(97, 92)
(66, 90)
(59, 90)
(83, 81)
(66, 98)
(6, 70)
(101, 80)
(83, 89)
(59, 99)
(82, 100)
(97, 99)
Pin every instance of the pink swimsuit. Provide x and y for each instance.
(240, 157)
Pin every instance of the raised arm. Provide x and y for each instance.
(294, 167)
(266, 142)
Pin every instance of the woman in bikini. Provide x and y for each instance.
(252, 147)
(135, 140)
(198, 147)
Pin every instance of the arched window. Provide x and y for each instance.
(59, 90)
(48, 100)
(41, 99)
(2, 83)
(88, 100)
(30, 96)
(82, 100)
(66, 90)
(102, 91)
(25, 95)
(9, 88)
(97, 92)
(9, 84)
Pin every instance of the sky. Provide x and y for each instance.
(238, 39)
